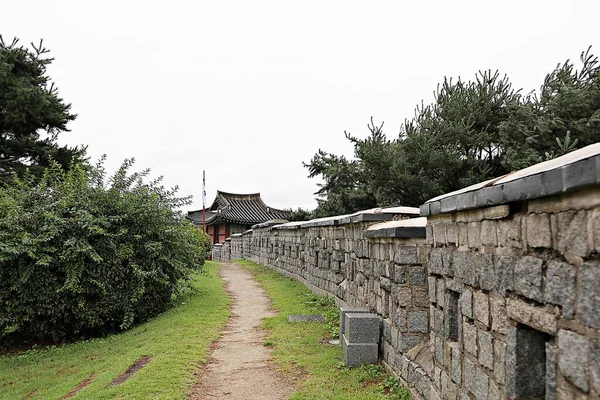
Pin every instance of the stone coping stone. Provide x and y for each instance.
(362, 327)
(228, 239)
(236, 235)
(249, 231)
(270, 223)
(329, 221)
(289, 225)
(217, 245)
(353, 219)
(357, 354)
(406, 228)
(306, 318)
(401, 210)
(370, 215)
(576, 170)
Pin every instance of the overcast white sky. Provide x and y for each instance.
(247, 90)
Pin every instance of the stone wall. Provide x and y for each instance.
(217, 252)
(236, 247)
(499, 300)
(514, 284)
(515, 306)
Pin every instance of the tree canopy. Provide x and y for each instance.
(32, 114)
(299, 214)
(473, 131)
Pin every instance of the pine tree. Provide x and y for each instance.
(32, 114)
(473, 131)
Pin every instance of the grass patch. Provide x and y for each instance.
(301, 348)
(177, 342)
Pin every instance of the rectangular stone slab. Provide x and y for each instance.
(344, 311)
(362, 328)
(306, 318)
(357, 354)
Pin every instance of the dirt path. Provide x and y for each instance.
(240, 366)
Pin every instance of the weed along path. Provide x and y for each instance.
(240, 365)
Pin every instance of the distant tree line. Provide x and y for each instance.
(473, 131)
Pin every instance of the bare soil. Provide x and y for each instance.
(133, 368)
(79, 387)
(240, 366)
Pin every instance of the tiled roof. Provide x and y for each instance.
(196, 216)
(246, 209)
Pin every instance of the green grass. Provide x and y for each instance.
(301, 349)
(178, 342)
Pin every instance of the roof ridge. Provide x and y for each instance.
(280, 209)
(238, 194)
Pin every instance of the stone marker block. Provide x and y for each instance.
(306, 318)
(361, 328)
(357, 354)
(344, 311)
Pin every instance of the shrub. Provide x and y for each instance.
(82, 254)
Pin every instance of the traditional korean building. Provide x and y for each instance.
(232, 213)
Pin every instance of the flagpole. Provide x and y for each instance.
(204, 201)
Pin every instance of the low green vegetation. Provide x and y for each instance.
(176, 341)
(302, 349)
(85, 254)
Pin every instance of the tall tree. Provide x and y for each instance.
(473, 131)
(565, 115)
(32, 114)
(457, 140)
(345, 186)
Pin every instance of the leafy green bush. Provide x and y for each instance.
(83, 254)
